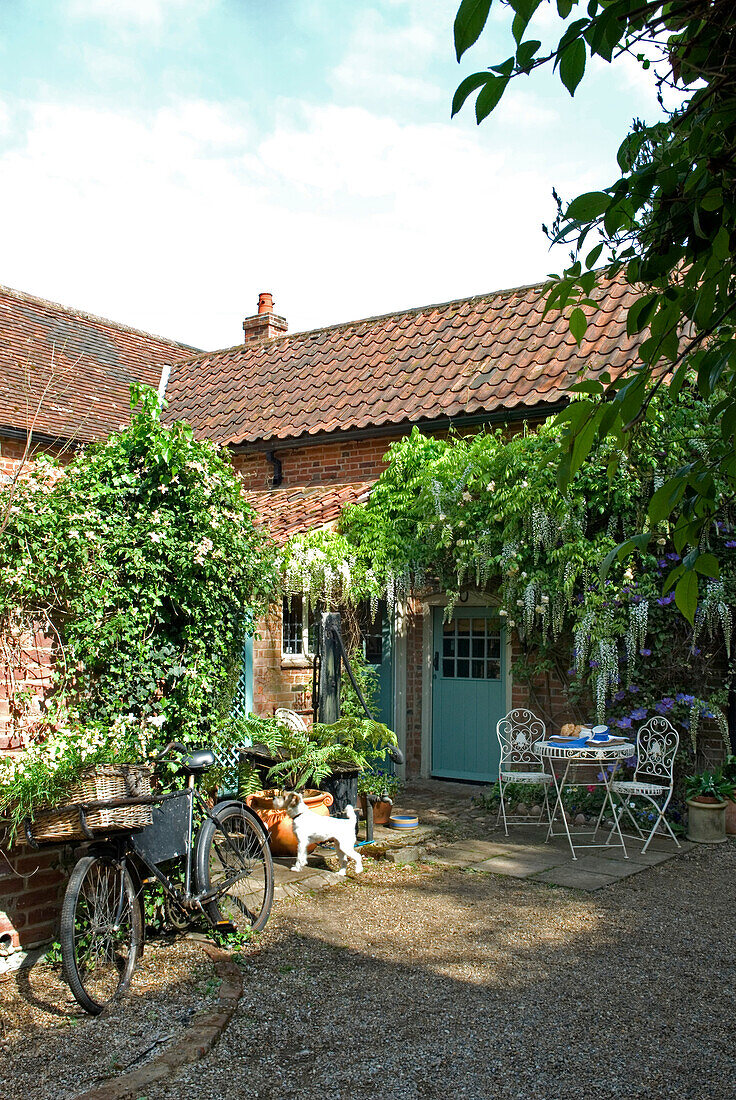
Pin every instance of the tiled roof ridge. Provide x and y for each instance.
(413, 311)
(83, 315)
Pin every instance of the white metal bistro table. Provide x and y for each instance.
(601, 755)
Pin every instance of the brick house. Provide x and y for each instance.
(308, 418)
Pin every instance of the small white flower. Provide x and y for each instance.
(519, 603)
(511, 622)
(154, 536)
(503, 612)
(491, 486)
(661, 542)
(545, 599)
(466, 495)
(158, 721)
(539, 609)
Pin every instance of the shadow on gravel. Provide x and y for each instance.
(444, 985)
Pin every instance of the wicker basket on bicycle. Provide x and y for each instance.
(100, 783)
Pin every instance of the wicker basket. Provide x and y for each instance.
(101, 783)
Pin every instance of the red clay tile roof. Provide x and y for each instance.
(94, 360)
(487, 354)
(287, 512)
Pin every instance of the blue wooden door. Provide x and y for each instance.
(468, 693)
(378, 651)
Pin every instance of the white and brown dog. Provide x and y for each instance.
(312, 828)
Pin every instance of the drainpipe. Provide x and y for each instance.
(278, 475)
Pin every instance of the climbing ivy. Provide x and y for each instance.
(141, 557)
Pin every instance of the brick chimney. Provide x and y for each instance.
(266, 323)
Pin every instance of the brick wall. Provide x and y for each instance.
(31, 890)
(353, 460)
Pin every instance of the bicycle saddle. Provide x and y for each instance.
(201, 760)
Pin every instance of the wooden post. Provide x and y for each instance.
(329, 679)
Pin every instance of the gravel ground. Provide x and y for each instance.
(419, 982)
(49, 1048)
(415, 983)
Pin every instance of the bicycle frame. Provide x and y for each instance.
(126, 849)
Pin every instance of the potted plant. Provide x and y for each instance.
(384, 787)
(707, 795)
(282, 757)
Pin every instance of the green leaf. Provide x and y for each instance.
(464, 89)
(564, 7)
(469, 22)
(707, 564)
(587, 207)
(686, 595)
(666, 499)
(525, 53)
(578, 325)
(488, 98)
(524, 10)
(572, 65)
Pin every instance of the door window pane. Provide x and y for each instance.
(463, 670)
(292, 624)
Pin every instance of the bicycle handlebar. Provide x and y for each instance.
(167, 749)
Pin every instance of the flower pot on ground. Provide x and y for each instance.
(728, 773)
(707, 796)
(278, 823)
(383, 786)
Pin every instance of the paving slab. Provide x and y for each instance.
(574, 878)
(644, 859)
(521, 866)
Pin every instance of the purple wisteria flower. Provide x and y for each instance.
(706, 713)
(630, 761)
(593, 664)
(633, 689)
(685, 724)
(619, 696)
(672, 557)
(639, 714)
(730, 544)
(696, 651)
(572, 672)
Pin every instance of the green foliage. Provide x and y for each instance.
(305, 758)
(709, 785)
(144, 559)
(366, 677)
(380, 783)
(487, 512)
(44, 775)
(666, 226)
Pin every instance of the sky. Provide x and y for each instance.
(164, 161)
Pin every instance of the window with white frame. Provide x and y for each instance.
(300, 627)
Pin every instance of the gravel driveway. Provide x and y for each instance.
(419, 982)
(416, 983)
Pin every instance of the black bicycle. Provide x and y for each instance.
(227, 877)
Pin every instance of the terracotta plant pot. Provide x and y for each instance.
(730, 818)
(706, 820)
(278, 823)
(381, 810)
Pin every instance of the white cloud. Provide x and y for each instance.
(143, 13)
(176, 221)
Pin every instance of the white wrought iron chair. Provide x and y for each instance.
(656, 747)
(518, 734)
(290, 718)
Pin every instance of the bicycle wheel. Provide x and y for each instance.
(101, 931)
(235, 848)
